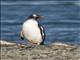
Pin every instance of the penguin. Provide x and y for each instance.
(32, 30)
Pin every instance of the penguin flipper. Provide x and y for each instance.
(22, 35)
(42, 34)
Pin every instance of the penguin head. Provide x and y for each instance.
(35, 16)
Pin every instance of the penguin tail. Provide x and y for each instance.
(22, 35)
(22, 38)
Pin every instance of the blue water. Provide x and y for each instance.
(61, 22)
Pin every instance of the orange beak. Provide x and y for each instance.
(40, 17)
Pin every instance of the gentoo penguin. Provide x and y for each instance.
(32, 30)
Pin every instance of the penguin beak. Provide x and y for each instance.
(40, 17)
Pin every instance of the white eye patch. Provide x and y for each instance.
(34, 15)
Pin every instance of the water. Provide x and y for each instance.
(61, 22)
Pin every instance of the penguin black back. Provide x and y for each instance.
(43, 35)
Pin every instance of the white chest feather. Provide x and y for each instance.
(32, 31)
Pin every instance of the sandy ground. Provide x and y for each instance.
(57, 51)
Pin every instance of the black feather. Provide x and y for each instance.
(22, 38)
(42, 32)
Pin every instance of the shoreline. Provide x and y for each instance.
(55, 51)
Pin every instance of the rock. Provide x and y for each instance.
(6, 43)
(55, 51)
(60, 44)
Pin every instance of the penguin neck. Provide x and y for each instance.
(32, 21)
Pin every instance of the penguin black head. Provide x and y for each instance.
(35, 16)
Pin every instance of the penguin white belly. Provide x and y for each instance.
(32, 32)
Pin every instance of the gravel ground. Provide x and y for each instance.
(42, 52)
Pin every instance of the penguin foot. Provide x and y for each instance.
(21, 46)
